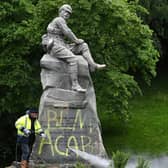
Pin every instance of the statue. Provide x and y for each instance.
(56, 46)
(67, 109)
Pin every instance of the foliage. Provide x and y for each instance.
(158, 21)
(18, 84)
(157, 17)
(145, 133)
(123, 42)
(114, 32)
(119, 87)
(81, 165)
(7, 139)
(115, 35)
(142, 163)
(120, 159)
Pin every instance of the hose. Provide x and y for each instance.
(16, 158)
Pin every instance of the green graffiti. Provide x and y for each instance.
(78, 119)
(74, 140)
(87, 145)
(55, 120)
(57, 144)
(55, 117)
(45, 142)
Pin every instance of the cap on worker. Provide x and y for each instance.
(66, 7)
(31, 110)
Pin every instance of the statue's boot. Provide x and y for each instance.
(87, 55)
(100, 66)
(75, 83)
(74, 78)
(78, 88)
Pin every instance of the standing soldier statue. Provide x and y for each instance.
(54, 43)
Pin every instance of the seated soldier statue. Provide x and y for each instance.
(55, 44)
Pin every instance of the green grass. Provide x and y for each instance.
(147, 131)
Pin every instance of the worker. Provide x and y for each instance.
(27, 127)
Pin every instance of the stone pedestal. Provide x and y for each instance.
(69, 118)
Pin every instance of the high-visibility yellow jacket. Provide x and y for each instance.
(25, 122)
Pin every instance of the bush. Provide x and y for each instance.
(142, 163)
(120, 159)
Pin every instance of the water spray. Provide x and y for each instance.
(96, 161)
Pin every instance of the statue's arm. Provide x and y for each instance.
(67, 31)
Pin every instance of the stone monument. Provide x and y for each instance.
(68, 106)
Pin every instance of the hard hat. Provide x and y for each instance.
(66, 7)
(31, 110)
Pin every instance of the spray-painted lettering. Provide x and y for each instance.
(65, 130)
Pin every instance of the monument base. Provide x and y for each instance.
(69, 118)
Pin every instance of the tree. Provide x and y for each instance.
(116, 36)
(158, 21)
(18, 84)
(114, 32)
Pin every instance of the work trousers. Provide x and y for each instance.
(25, 145)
